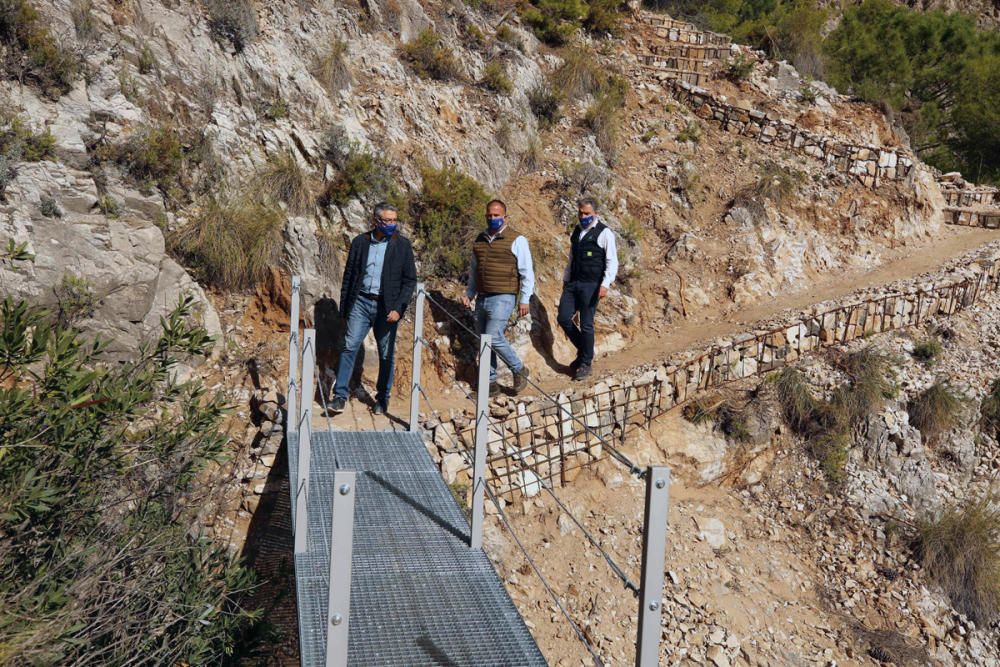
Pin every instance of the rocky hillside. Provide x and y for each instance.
(181, 111)
(155, 148)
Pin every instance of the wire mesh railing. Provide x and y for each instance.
(647, 654)
(302, 355)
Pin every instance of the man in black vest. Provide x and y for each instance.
(501, 275)
(379, 278)
(593, 265)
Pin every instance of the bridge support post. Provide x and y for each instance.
(305, 433)
(341, 549)
(418, 332)
(291, 405)
(654, 543)
(482, 426)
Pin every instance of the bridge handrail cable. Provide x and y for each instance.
(633, 469)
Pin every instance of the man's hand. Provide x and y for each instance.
(603, 292)
(392, 317)
(522, 310)
(467, 302)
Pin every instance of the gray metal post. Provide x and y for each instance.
(654, 543)
(341, 548)
(293, 360)
(482, 425)
(305, 436)
(418, 332)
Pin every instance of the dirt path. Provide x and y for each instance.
(901, 263)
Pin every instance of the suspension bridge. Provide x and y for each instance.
(388, 568)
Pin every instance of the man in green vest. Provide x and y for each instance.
(592, 267)
(500, 276)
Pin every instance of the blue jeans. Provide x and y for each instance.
(365, 315)
(492, 314)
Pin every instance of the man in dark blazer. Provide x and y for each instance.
(379, 279)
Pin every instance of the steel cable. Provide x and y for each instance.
(614, 451)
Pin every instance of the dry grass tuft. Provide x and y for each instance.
(935, 411)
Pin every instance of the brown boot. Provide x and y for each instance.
(521, 380)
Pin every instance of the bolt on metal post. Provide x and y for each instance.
(418, 348)
(305, 438)
(654, 543)
(341, 550)
(479, 459)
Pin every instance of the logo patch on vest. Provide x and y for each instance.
(590, 253)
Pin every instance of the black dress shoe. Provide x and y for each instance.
(380, 408)
(338, 405)
(582, 371)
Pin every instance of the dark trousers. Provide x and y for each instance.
(580, 298)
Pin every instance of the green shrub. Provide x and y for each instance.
(507, 35)
(232, 241)
(691, 132)
(936, 68)
(604, 17)
(775, 182)
(556, 21)
(723, 411)
(430, 58)
(871, 384)
(740, 68)
(808, 94)
(75, 300)
(283, 180)
(99, 564)
(84, 23)
(544, 103)
(8, 171)
(32, 53)
(108, 206)
(928, 350)
(604, 115)
(632, 231)
(17, 140)
(495, 78)
(128, 85)
(233, 21)
(826, 425)
(532, 156)
(48, 207)
(331, 68)
(935, 411)
(702, 409)
(276, 110)
(989, 410)
(362, 175)
(147, 61)
(960, 551)
(152, 156)
(446, 215)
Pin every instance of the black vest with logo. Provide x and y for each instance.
(587, 263)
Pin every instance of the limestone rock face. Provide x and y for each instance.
(893, 447)
(122, 263)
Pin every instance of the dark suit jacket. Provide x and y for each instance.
(399, 273)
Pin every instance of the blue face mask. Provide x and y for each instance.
(387, 229)
(495, 224)
(587, 221)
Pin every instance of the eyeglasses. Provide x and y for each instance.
(387, 221)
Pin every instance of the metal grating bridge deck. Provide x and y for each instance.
(419, 594)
